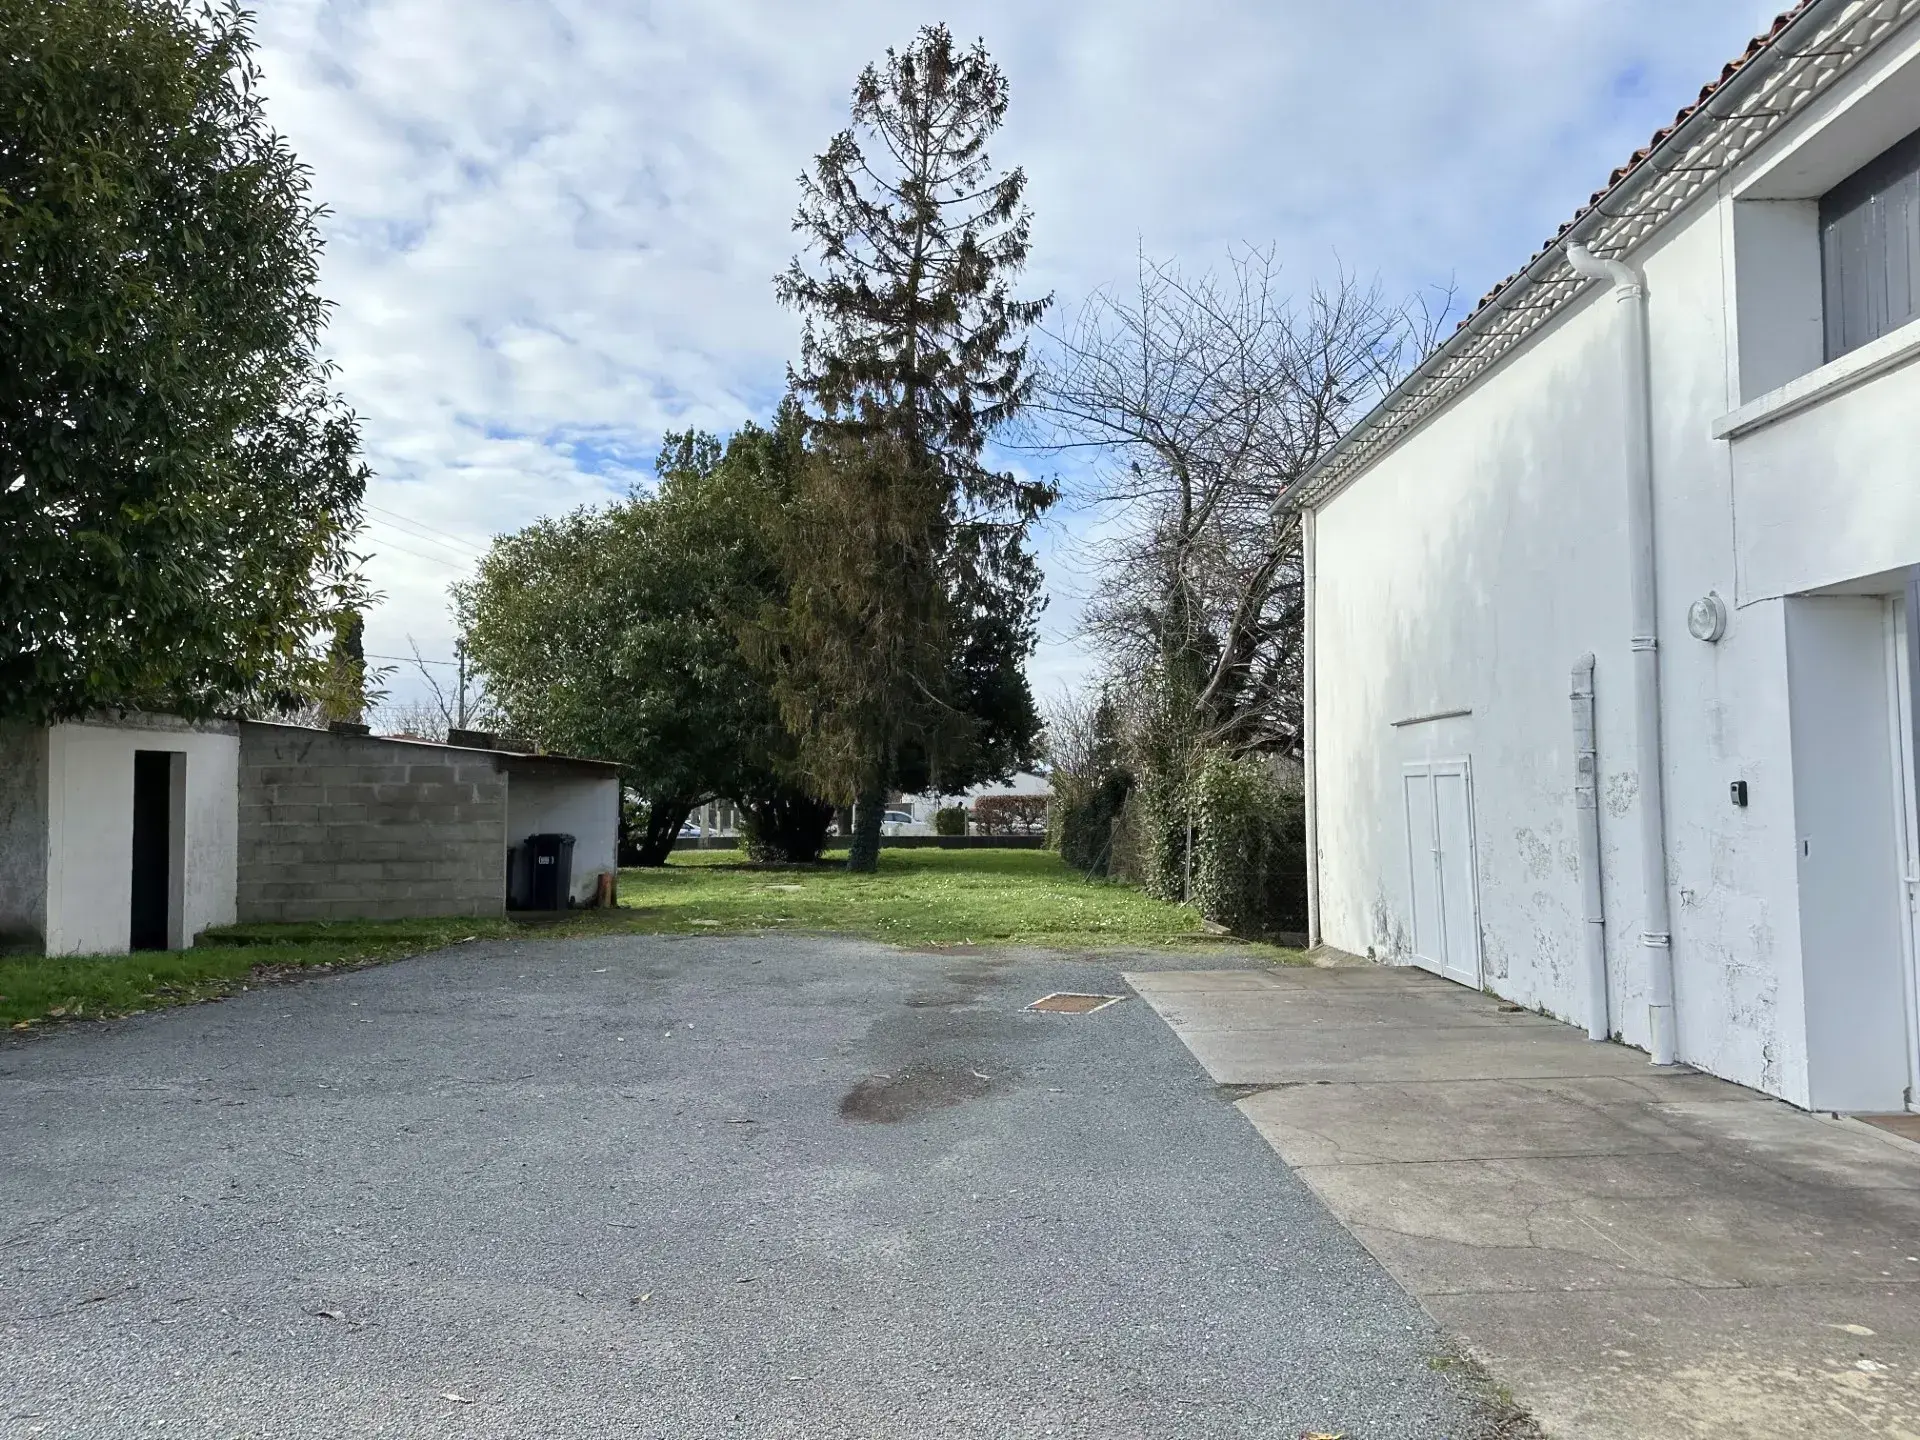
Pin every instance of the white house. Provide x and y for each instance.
(1684, 442)
(922, 808)
(117, 832)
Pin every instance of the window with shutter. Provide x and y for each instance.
(1870, 249)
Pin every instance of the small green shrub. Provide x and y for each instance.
(950, 820)
(787, 826)
(1010, 815)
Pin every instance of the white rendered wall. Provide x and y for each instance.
(1832, 492)
(1732, 881)
(90, 830)
(23, 831)
(1469, 569)
(585, 807)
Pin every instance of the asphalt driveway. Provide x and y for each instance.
(679, 1188)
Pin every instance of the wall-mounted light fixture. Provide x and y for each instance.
(1707, 618)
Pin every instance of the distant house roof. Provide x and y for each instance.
(1024, 783)
(1779, 74)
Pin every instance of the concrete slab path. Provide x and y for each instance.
(1634, 1252)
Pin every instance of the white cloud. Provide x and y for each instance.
(554, 222)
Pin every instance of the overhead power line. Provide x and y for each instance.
(415, 660)
(421, 555)
(451, 547)
(428, 531)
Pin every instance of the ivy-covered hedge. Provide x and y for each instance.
(1249, 849)
(1081, 817)
(1247, 835)
(950, 820)
(1156, 844)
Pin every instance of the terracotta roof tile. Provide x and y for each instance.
(1759, 45)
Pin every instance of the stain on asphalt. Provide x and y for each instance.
(909, 1094)
(968, 982)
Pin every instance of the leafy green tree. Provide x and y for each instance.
(614, 632)
(179, 486)
(911, 587)
(345, 696)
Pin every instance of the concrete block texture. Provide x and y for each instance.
(336, 827)
(23, 831)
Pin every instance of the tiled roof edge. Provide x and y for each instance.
(1712, 132)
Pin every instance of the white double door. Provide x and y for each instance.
(1438, 796)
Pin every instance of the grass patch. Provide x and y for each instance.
(918, 898)
(36, 988)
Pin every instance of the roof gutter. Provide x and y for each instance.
(1660, 161)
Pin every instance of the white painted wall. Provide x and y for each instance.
(90, 829)
(1833, 491)
(1780, 317)
(585, 807)
(1468, 568)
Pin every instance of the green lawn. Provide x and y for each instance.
(918, 898)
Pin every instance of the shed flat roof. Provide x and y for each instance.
(518, 759)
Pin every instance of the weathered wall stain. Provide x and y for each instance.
(1623, 787)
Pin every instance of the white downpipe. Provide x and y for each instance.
(1586, 814)
(1309, 748)
(1656, 940)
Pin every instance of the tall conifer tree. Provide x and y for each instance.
(908, 557)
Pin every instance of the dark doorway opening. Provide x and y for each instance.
(152, 848)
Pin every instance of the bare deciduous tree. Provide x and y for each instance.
(459, 702)
(1201, 397)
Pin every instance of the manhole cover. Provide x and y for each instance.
(1063, 1003)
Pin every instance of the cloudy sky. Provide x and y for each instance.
(554, 222)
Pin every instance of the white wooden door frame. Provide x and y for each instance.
(1423, 855)
(1446, 965)
(1900, 649)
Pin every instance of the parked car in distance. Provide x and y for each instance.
(896, 822)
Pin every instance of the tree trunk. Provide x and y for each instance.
(664, 819)
(863, 856)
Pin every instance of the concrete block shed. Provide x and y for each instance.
(338, 826)
(117, 832)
